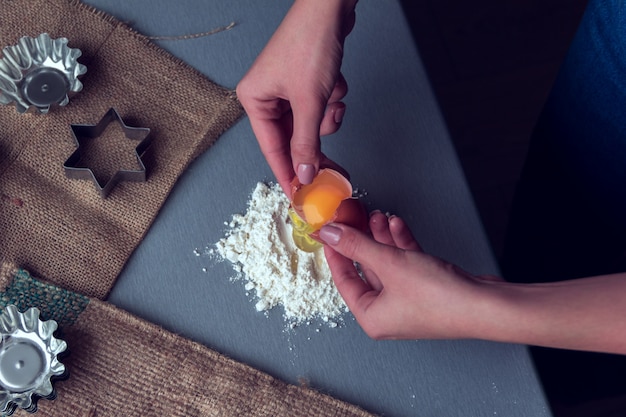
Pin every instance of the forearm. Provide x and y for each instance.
(583, 314)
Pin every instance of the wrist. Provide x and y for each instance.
(492, 312)
(343, 5)
(327, 13)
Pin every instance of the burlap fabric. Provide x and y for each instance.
(61, 228)
(120, 365)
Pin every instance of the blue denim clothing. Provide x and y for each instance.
(569, 213)
(585, 117)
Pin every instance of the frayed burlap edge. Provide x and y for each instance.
(122, 365)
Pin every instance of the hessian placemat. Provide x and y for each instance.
(120, 365)
(62, 228)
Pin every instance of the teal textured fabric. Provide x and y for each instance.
(53, 302)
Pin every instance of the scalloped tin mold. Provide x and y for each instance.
(37, 73)
(28, 359)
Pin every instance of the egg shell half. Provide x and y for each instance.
(350, 212)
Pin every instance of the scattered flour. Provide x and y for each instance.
(260, 247)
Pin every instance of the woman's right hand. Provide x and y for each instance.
(292, 93)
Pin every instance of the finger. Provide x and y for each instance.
(274, 145)
(371, 278)
(356, 245)
(340, 90)
(490, 278)
(355, 291)
(335, 110)
(332, 118)
(272, 123)
(380, 231)
(379, 226)
(402, 235)
(349, 22)
(326, 162)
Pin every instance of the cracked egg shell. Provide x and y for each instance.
(328, 199)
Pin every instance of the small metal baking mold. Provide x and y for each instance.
(28, 359)
(39, 72)
(86, 132)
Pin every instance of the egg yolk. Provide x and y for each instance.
(319, 205)
(317, 202)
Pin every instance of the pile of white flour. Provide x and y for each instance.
(260, 247)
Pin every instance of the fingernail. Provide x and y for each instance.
(338, 115)
(330, 234)
(306, 172)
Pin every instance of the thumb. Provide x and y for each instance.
(344, 245)
(354, 244)
(305, 141)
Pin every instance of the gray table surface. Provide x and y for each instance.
(395, 145)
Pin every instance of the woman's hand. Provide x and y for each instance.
(292, 93)
(408, 294)
(405, 293)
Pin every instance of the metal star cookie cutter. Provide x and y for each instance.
(86, 132)
(29, 359)
(37, 73)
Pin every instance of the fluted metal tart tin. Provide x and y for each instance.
(39, 72)
(28, 359)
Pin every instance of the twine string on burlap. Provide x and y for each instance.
(194, 35)
(61, 228)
